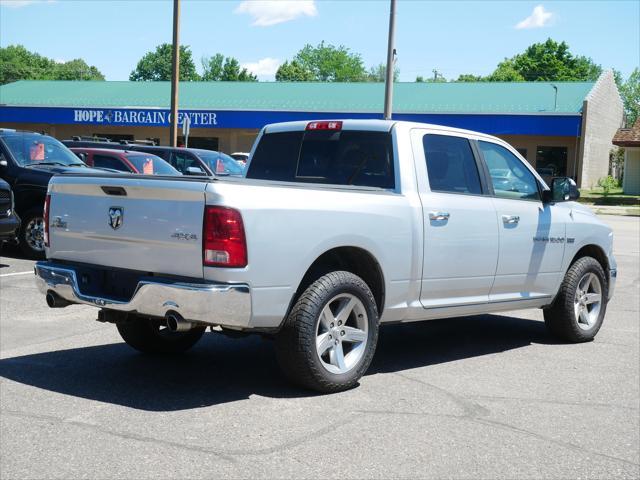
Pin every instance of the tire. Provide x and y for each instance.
(336, 315)
(575, 315)
(149, 335)
(31, 234)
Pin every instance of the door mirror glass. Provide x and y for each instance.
(563, 189)
(194, 171)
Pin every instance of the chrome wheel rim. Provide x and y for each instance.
(588, 301)
(34, 234)
(342, 333)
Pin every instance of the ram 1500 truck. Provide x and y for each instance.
(338, 227)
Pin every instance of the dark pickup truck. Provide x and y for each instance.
(28, 160)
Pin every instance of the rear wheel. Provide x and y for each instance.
(578, 311)
(32, 234)
(149, 335)
(330, 336)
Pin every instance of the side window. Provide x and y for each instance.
(183, 161)
(451, 165)
(510, 178)
(104, 161)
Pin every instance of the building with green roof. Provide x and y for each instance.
(560, 127)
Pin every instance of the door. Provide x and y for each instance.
(532, 234)
(460, 227)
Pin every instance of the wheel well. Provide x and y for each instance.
(351, 259)
(595, 252)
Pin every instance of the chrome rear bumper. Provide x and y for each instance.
(207, 303)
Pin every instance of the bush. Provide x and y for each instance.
(607, 183)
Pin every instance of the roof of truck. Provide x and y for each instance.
(354, 97)
(368, 124)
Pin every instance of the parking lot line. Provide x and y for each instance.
(16, 273)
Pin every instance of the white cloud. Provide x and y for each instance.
(539, 18)
(264, 67)
(22, 3)
(271, 12)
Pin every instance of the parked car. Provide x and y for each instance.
(125, 161)
(339, 227)
(188, 161)
(27, 161)
(9, 220)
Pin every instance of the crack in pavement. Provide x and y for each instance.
(223, 454)
(477, 414)
(555, 402)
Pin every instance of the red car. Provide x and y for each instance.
(125, 161)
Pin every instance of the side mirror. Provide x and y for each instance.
(3, 161)
(563, 189)
(194, 171)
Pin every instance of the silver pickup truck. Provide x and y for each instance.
(338, 227)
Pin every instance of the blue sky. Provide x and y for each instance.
(453, 37)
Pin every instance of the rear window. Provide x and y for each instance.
(346, 157)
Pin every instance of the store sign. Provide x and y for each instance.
(493, 124)
(139, 118)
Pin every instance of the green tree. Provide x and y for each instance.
(218, 68)
(18, 63)
(547, 61)
(420, 79)
(506, 72)
(468, 77)
(156, 66)
(294, 72)
(379, 73)
(630, 93)
(77, 69)
(324, 63)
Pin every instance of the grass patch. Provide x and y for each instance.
(596, 196)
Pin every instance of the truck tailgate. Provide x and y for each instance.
(144, 223)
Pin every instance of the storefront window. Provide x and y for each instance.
(551, 161)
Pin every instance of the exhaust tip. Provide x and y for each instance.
(176, 323)
(55, 301)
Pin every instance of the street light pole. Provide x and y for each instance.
(391, 52)
(175, 75)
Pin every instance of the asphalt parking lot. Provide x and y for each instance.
(481, 397)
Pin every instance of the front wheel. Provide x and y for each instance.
(578, 311)
(149, 335)
(329, 338)
(32, 234)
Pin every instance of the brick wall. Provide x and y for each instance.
(602, 116)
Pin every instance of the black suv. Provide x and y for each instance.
(27, 161)
(188, 161)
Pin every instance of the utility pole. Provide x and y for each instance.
(175, 75)
(391, 53)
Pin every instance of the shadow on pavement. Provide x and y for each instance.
(220, 369)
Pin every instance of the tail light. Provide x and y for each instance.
(324, 125)
(223, 239)
(45, 217)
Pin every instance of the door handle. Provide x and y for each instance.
(511, 219)
(438, 216)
